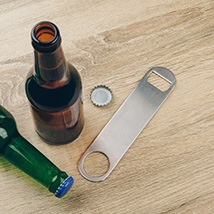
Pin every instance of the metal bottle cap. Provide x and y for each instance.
(64, 187)
(101, 95)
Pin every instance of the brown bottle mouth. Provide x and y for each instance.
(45, 37)
(45, 32)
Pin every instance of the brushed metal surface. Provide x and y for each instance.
(128, 122)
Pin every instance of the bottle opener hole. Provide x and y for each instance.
(96, 164)
(158, 82)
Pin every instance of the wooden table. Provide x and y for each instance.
(170, 167)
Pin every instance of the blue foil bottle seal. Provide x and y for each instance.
(64, 187)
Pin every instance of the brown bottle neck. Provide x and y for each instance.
(50, 65)
(51, 68)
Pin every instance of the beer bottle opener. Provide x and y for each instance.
(128, 122)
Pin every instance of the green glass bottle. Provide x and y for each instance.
(18, 151)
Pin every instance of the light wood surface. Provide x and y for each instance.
(170, 167)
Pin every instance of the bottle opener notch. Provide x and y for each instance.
(128, 122)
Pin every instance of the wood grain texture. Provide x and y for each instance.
(170, 167)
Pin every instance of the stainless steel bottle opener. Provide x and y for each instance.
(128, 122)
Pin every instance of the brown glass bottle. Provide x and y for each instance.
(54, 88)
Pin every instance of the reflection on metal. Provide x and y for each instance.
(128, 122)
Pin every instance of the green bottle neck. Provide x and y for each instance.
(18, 151)
(26, 157)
